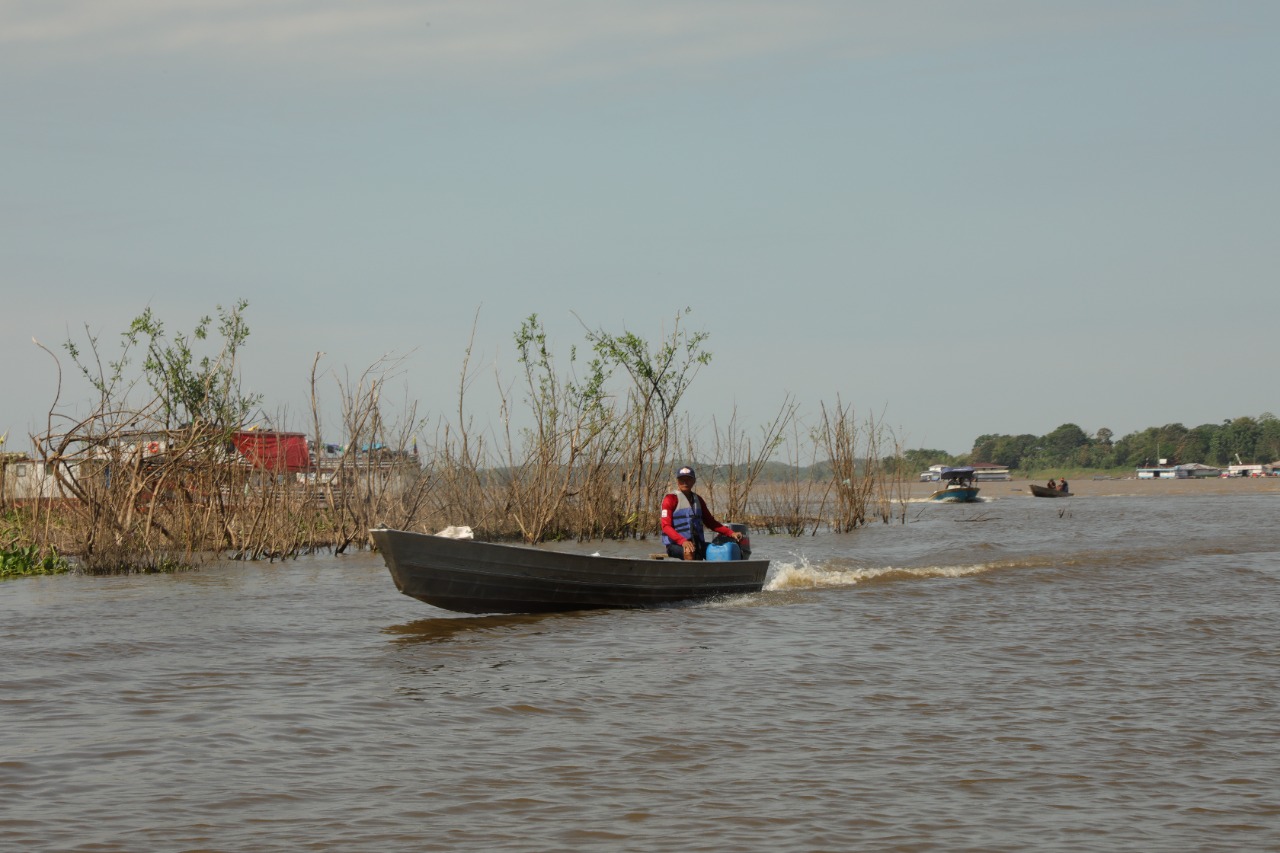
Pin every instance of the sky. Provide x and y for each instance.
(995, 216)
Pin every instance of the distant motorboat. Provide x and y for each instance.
(959, 488)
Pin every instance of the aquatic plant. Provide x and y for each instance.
(22, 561)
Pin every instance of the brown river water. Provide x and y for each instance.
(1081, 674)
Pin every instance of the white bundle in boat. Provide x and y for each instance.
(457, 532)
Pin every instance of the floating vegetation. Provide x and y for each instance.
(30, 560)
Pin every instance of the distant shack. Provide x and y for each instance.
(1189, 471)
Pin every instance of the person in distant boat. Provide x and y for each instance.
(1053, 484)
(1062, 485)
(685, 519)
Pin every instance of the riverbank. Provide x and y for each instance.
(1127, 486)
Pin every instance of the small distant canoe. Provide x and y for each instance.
(959, 488)
(1046, 492)
(486, 577)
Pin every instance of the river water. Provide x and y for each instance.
(1093, 673)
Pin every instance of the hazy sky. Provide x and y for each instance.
(963, 217)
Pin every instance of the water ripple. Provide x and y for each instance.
(1097, 680)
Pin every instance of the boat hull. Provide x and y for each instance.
(483, 577)
(1046, 492)
(957, 494)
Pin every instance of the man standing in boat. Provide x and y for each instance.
(685, 518)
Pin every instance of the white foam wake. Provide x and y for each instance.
(807, 575)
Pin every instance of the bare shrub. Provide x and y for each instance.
(794, 504)
(741, 461)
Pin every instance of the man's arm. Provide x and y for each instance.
(710, 523)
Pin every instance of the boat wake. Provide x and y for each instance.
(980, 499)
(807, 575)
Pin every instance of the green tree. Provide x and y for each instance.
(660, 376)
(1097, 455)
(1061, 445)
(1268, 445)
(1239, 440)
(1151, 445)
(1012, 451)
(139, 501)
(1197, 445)
(190, 389)
(919, 460)
(568, 416)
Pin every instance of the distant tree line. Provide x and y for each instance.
(1247, 440)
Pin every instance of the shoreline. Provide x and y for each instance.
(1127, 486)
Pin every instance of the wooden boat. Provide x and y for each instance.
(1046, 492)
(960, 486)
(485, 577)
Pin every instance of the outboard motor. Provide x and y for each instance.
(722, 548)
(745, 544)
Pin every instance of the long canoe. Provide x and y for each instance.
(485, 577)
(1046, 492)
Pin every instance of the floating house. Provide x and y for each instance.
(1197, 471)
(1189, 471)
(986, 471)
(1269, 470)
(25, 479)
(982, 471)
